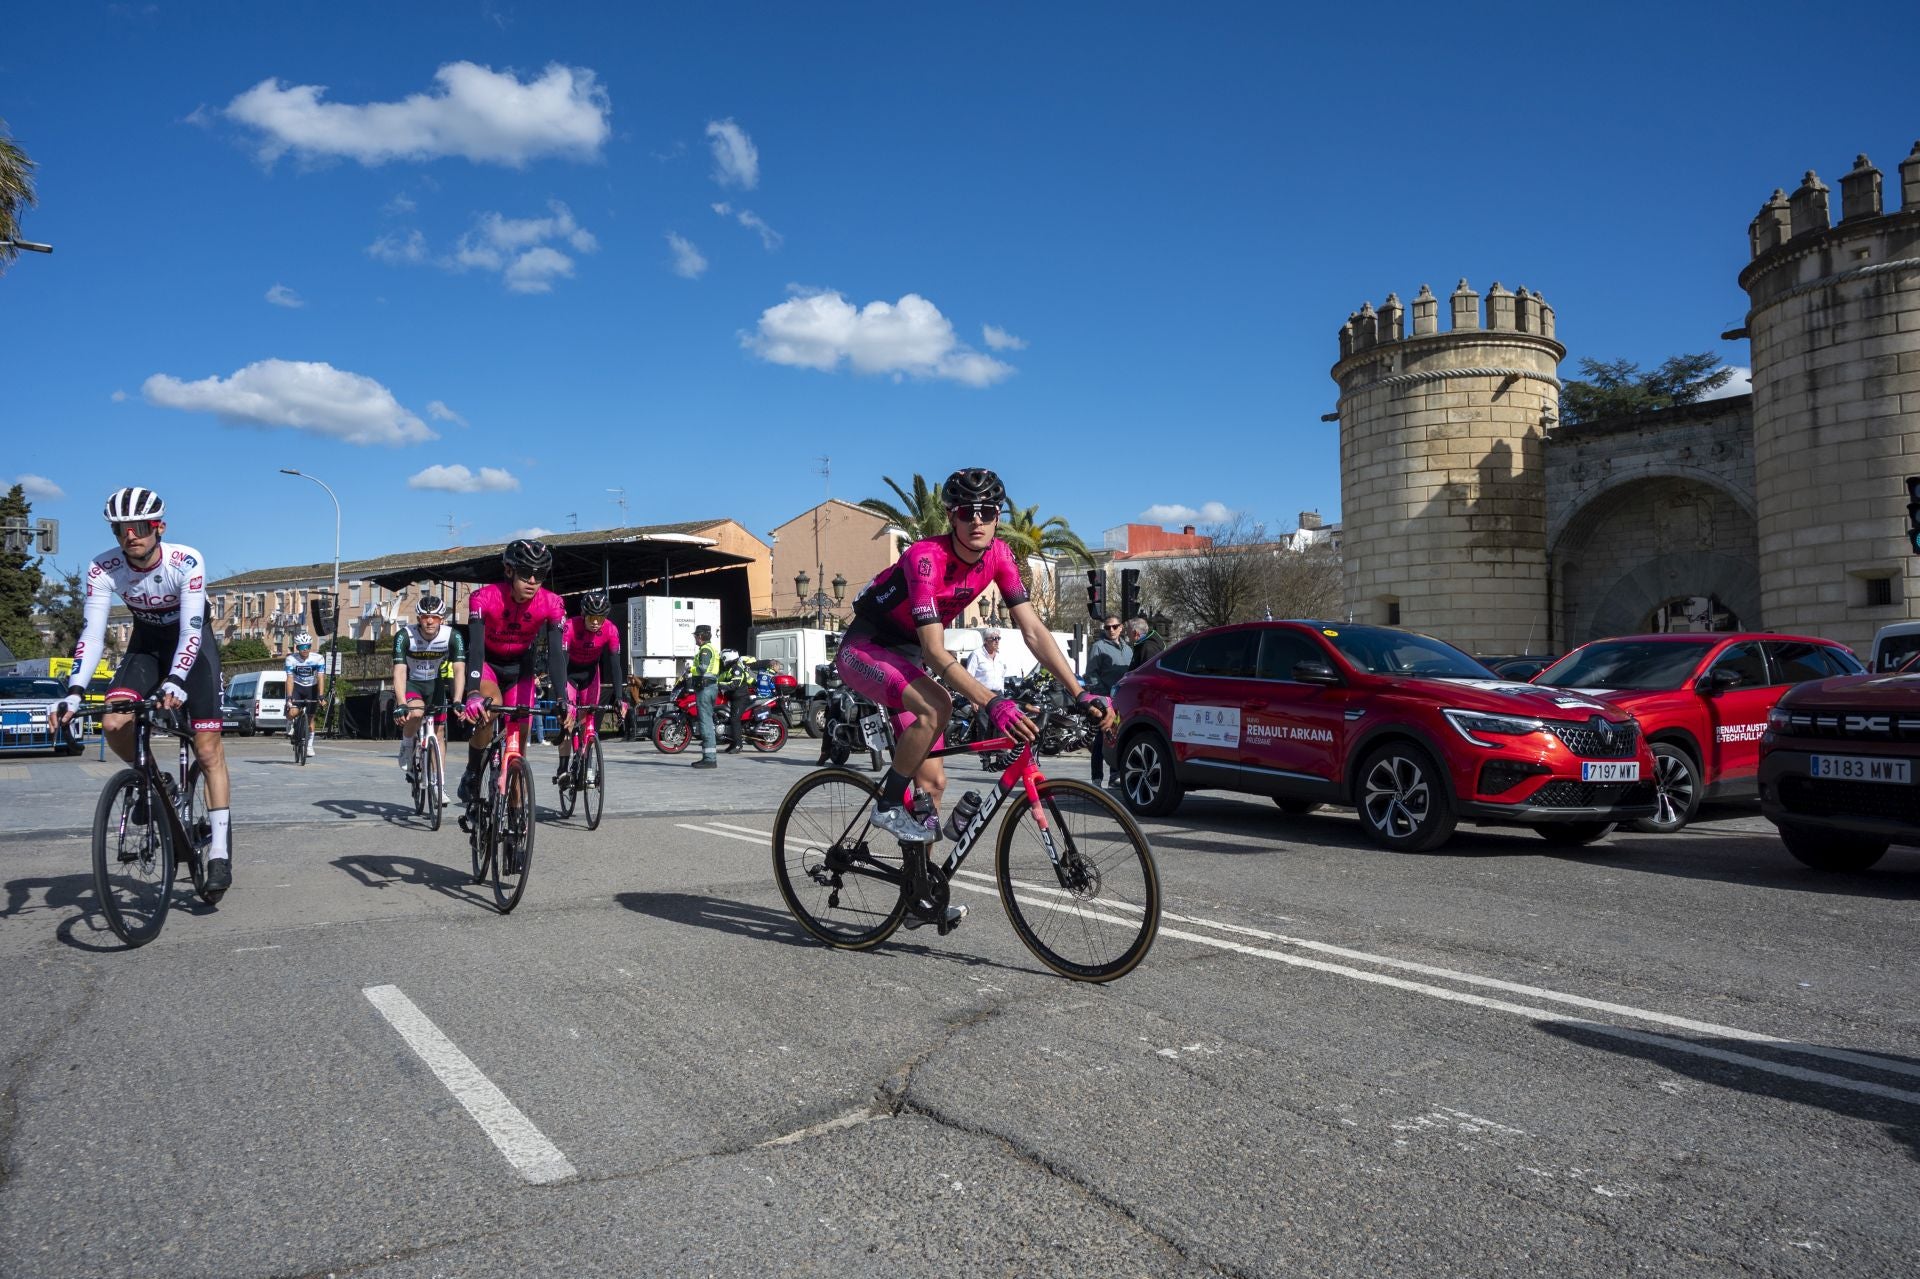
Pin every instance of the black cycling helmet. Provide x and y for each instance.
(973, 486)
(528, 556)
(594, 604)
(432, 606)
(129, 504)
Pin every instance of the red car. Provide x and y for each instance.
(1837, 769)
(1702, 701)
(1406, 729)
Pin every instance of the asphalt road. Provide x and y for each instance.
(1678, 1056)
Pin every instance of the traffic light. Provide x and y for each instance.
(1097, 594)
(1913, 513)
(1129, 593)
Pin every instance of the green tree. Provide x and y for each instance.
(920, 514)
(248, 648)
(1028, 536)
(20, 579)
(61, 603)
(1617, 388)
(16, 192)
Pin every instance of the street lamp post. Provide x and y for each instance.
(333, 647)
(818, 601)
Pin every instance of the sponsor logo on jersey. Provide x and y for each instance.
(193, 584)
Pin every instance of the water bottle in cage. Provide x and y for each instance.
(962, 815)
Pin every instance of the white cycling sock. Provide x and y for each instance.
(218, 816)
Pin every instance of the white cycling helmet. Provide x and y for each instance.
(303, 640)
(729, 654)
(129, 504)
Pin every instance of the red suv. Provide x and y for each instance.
(1408, 730)
(1838, 768)
(1702, 701)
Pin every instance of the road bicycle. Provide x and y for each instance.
(499, 821)
(585, 781)
(428, 772)
(1074, 871)
(135, 861)
(302, 733)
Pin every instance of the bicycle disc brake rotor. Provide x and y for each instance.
(1079, 876)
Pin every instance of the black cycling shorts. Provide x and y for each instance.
(145, 665)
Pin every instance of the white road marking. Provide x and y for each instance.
(761, 840)
(525, 1146)
(763, 835)
(247, 950)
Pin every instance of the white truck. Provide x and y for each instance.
(798, 649)
(660, 643)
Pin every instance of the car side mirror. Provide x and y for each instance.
(1311, 672)
(1718, 680)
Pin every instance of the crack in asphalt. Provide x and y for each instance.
(22, 1067)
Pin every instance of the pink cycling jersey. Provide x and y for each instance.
(587, 641)
(509, 628)
(931, 584)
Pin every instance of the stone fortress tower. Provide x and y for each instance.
(1835, 327)
(1442, 483)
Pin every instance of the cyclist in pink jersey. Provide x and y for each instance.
(506, 621)
(592, 642)
(899, 635)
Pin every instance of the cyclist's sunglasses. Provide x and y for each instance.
(978, 513)
(139, 528)
(533, 575)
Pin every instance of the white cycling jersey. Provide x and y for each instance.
(305, 672)
(170, 596)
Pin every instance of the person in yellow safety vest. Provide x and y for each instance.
(706, 687)
(737, 679)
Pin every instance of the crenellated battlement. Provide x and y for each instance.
(1808, 211)
(1521, 311)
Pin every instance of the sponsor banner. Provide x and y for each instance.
(1206, 725)
(1738, 732)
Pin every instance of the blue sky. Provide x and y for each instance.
(1113, 243)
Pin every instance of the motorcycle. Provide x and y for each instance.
(765, 728)
(840, 711)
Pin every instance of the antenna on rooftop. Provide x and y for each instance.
(826, 476)
(620, 498)
(573, 518)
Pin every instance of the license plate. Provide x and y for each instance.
(1597, 771)
(874, 728)
(1862, 768)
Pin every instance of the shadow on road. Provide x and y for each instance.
(381, 870)
(353, 809)
(82, 927)
(1899, 1119)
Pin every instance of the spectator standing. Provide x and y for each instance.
(1108, 660)
(1146, 643)
(706, 687)
(986, 664)
(736, 681)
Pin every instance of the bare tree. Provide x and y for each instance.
(1244, 575)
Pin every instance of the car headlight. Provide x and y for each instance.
(1777, 719)
(1470, 723)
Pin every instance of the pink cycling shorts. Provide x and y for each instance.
(881, 675)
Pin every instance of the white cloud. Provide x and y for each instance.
(905, 338)
(535, 270)
(736, 161)
(1001, 340)
(399, 249)
(281, 295)
(400, 204)
(458, 479)
(118, 397)
(439, 412)
(535, 532)
(296, 394)
(37, 487)
(688, 262)
(721, 207)
(770, 239)
(485, 116)
(1175, 513)
(1741, 383)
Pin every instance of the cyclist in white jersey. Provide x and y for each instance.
(163, 584)
(307, 677)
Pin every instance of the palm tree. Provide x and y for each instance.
(16, 191)
(1027, 536)
(920, 514)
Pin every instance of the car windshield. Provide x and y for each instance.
(27, 686)
(1641, 664)
(1379, 651)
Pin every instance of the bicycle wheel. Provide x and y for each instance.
(568, 796)
(198, 823)
(844, 880)
(593, 785)
(769, 735)
(513, 851)
(433, 784)
(300, 742)
(419, 779)
(1092, 916)
(672, 731)
(480, 824)
(132, 865)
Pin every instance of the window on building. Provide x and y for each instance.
(1879, 591)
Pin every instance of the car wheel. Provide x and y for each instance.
(1831, 850)
(816, 719)
(1677, 788)
(1147, 782)
(1297, 807)
(1573, 834)
(1403, 799)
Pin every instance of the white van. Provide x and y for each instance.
(260, 697)
(1894, 645)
